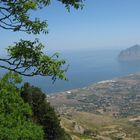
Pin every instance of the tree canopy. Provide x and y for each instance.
(15, 14)
(26, 57)
(15, 115)
(43, 113)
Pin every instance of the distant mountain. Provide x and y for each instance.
(130, 54)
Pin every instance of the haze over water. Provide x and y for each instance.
(79, 34)
(86, 67)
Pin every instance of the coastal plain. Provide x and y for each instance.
(107, 110)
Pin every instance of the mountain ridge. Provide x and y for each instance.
(130, 54)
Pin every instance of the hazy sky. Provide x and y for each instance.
(101, 24)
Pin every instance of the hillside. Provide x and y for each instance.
(130, 54)
(105, 110)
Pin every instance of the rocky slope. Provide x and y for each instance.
(130, 54)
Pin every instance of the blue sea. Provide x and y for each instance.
(86, 67)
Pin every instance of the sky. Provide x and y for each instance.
(102, 24)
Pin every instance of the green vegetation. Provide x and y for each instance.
(25, 113)
(15, 115)
(27, 58)
(43, 113)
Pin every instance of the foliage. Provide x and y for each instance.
(43, 113)
(15, 115)
(26, 57)
(15, 14)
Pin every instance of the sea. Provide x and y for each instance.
(86, 67)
